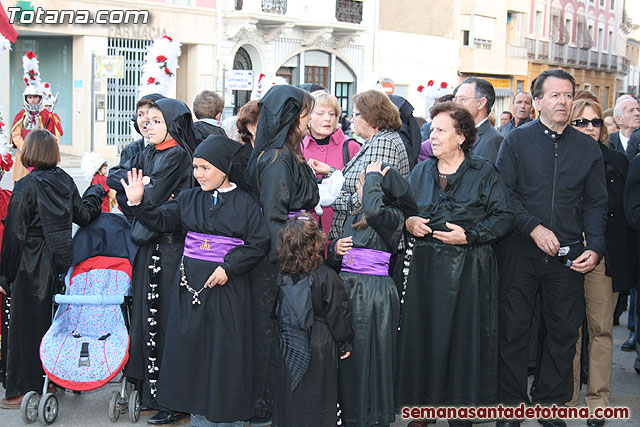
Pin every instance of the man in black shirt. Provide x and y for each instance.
(556, 180)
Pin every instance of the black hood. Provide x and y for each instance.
(410, 131)
(153, 97)
(179, 121)
(311, 87)
(279, 108)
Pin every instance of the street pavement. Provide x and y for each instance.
(90, 408)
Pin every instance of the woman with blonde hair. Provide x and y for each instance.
(613, 274)
(326, 143)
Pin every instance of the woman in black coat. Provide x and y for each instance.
(282, 183)
(36, 254)
(448, 339)
(614, 274)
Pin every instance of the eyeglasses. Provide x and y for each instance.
(583, 123)
(150, 123)
(463, 99)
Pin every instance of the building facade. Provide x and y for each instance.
(581, 36)
(96, 111)
(327, 43)
(415, 43)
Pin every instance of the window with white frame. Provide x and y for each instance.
(478, 31)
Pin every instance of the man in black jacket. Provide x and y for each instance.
(632, 214)
(627, 116)
(556, 181)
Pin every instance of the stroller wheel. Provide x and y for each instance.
(48, 409)
(114, 406)
(134, 406)
(29, 407)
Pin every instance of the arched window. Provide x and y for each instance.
(242, 61)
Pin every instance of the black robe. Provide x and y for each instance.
(367, 377)
(202, 129)
(170, 172)
(207, 360)
(42, 207)
(282, 184)
(313, 403)
(448, 341)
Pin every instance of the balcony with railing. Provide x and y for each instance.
(349, 11)
(542, 50)
(584, 57)
(274, 6)
(558, 53)
(593, 59)
(572, 55)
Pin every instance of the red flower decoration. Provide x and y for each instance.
(32, 77)
(151, 80)
(1, 125)
(30, 54)
(431, 83)
(161, 58)
(420, 88)
(166, 70)
(7, 162)
(261, 77)
(47, 85)
(443, 85)
(26, 80)
(168, 38)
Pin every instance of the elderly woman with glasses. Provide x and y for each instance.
(613, 274)
(448, 339)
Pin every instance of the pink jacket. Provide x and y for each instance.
(330, 154)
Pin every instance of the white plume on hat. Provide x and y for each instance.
(265, 83)
(91, 163)
(161, 63)
(46, 90)
(31, 70)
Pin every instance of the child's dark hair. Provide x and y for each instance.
(40, 150)
(300, 245)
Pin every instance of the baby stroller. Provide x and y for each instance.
(87, 344)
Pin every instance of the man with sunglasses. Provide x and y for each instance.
(555, 176)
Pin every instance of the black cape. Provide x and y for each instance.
(207, 359)
(170, 172)
(281, 183)
(367, 377)
(202, 129)
(410, 131)
(32, 268)
(448, 341)
(314, 401)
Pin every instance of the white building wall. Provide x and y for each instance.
(413, 60)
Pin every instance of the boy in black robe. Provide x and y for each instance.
(207, 362)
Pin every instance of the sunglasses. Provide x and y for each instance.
(583, 123)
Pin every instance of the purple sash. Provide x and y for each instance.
(209, 247)
(366, 261)
(296, 213)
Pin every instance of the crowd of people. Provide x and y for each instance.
(449, 266)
